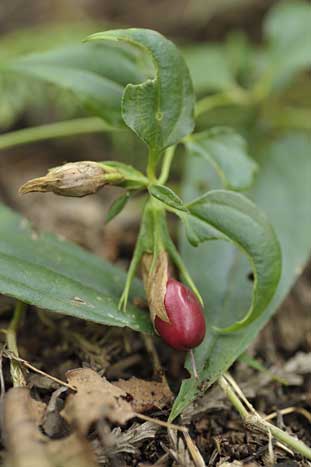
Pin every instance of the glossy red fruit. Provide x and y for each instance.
(186, 328)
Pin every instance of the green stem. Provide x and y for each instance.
(173, 253)
(152, 165)
(137, 255)
(15, 368)
(114, 178)
(288, 117)
(235, 96)
(55, 130)
(253, 419)
(142, 245)
(166, 166)
(262, 87)
(233, 398)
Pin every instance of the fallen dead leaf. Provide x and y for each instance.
(146, 395)
(22, 437)
(95, 398)
(28, 447)
(72, 451)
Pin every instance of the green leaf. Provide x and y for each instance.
(209, 68)
(287, 28)
(287, 22)
(95, 73)
(238, 220)
(21, 93)
(167, 196)
(56, 275)
(226, 151)
(159, 110)
(283, 191)
(116, 207)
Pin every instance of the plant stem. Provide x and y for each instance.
(288, 117)
(235, 96)
(193, 364)
(254, 420)
(142, 245)
(151, 166)
(166, 166)
(234, 399)
(15, 368)
(55, 130)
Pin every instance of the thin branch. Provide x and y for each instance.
(17, 375)
(255, 421)
(166, 165)
(74, 127)
(235, 96)
(40, 372)
(162, 423)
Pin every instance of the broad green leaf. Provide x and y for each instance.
(283, 191)
(226, 151)
(159, 110)
(238, 220)
(209, 68)
(288, 30)
(21, 93)
(167, 196)
(24, 40)
(220, 67)
(95, 73)
(43, 270)
(198, 232)
(116, 207)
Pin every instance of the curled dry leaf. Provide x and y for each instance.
(146, 394)
(95, 398)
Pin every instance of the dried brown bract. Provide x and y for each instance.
(155, 276)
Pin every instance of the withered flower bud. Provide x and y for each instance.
(74, 179)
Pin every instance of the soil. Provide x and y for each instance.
(58, 344)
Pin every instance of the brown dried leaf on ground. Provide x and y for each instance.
(95, 398)
(73, 451)
(28, 447)
(146, 395)
(20, 425)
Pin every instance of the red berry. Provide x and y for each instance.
(186, 328)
